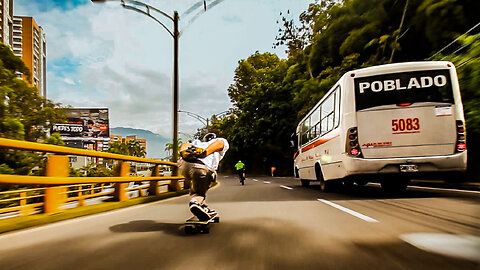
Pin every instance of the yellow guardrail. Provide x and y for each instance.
(58, 188)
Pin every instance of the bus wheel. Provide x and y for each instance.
(329, 186)
(305, 183)
(324, 185)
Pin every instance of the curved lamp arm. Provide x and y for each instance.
(147, 10)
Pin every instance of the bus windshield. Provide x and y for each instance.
(403, 88)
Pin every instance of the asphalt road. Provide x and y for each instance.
(270, 223)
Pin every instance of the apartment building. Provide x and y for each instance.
(30, 44)
(6, 22)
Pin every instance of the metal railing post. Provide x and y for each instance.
(81, 199)
(174, 183)
(120, 193)
(153, 188)
(25, 210)
(57, 166)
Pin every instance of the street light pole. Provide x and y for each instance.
(175, 34)
(175, 87)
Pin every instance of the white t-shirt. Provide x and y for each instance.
(212, 160)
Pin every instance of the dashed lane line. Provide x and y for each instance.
(286, 187)
(446, 189)
(267, 182)
(439, 189)
(346, 210)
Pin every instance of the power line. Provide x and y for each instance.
(454, 41)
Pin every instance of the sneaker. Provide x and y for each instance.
(200, 212)
(210, 212)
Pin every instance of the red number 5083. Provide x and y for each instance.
(405, 124)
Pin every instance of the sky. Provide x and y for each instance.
(102, 55)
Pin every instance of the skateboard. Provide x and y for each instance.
(193, 225)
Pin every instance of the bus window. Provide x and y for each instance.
(405, 87)
(324, 126)
(317, 130)
(304, 138)
(330, 122)
(327, 114)
(315, 118)
(337, 108)
(327, 106)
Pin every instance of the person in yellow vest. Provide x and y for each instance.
(240, 167)
(198, 165)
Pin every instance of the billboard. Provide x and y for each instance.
(84, 124)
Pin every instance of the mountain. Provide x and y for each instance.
(155, 142)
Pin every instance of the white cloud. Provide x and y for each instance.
(69, 81)
(100, 55)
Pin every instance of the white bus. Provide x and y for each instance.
(385, 124)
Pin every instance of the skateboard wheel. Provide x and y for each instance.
(206, 230)
(189, 230)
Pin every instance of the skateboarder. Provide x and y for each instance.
(199, 163)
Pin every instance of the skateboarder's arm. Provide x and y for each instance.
(215, 146)
(184, 146)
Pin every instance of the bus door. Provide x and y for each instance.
(406, 114)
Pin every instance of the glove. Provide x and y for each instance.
(193, 152)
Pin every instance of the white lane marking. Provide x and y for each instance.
(446, 189)
(286, 187)
(460, 246)
(351, 212)
(439, 189)
(266, 182)
(255, 180)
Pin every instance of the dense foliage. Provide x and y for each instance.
(24, 115)
(131, 148)
(270, 95)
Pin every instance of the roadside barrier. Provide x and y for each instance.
(56, 191)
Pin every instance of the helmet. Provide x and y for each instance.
(208, 137)
(239, 161)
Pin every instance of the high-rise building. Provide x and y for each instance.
(30, 44)
(6, 22)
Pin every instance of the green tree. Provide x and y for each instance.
(131, 148)
(55, 139)
(169, 146)
(24, 115)
(136, 149)
(467, 62)
(118, 148)
(263, 112)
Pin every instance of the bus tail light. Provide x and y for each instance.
(352, 147)
(461, 144)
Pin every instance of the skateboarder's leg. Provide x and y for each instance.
(200, 178)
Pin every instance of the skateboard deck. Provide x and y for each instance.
(193, 225)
